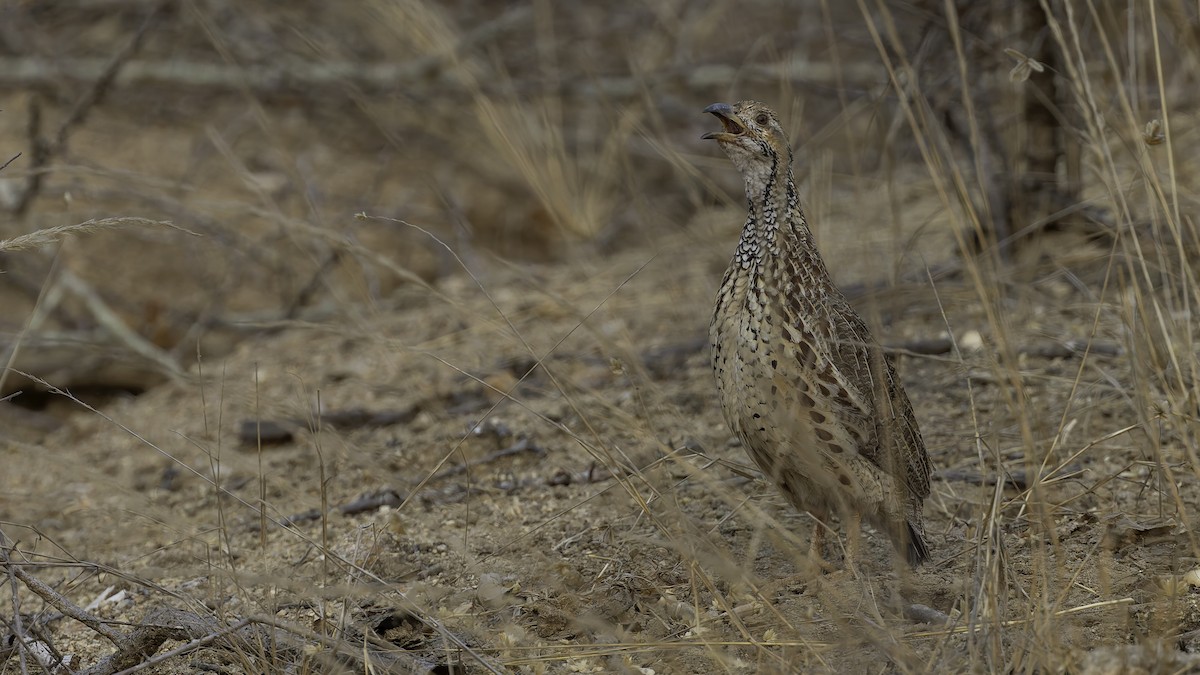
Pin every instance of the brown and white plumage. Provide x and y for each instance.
(815, 402)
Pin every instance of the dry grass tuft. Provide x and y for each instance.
(53, 235)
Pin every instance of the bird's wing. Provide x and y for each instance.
(889, 413)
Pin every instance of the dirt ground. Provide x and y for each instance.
(497, 446)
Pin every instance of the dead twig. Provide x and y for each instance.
(364, 503)
(187, 648)
(386, 657)
(1017, 478)
(244, 637)
(523, 444)
(1072, 348)
(60, 602)
(921, 346)
(167, 623)
(251, 432)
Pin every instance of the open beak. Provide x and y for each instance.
(732, 126)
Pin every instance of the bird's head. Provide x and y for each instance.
(753, 139)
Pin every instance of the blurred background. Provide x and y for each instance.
(529, 132)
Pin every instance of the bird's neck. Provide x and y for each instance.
(775, 224)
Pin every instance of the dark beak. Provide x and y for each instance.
(732, 126)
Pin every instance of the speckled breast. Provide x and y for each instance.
(777, 395)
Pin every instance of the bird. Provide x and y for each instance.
(804, 386)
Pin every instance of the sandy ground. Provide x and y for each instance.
(592, 511)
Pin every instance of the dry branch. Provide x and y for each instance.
(244, 638)
(1016, 478)
(34, 72)
(165, 623)
(60, 602)
(307, 77)
(364, 503)
(523, 444)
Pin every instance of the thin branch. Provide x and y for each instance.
(61, 603)
(307, 77)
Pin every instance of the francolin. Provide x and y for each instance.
(804, 386)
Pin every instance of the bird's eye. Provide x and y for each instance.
(762, 119)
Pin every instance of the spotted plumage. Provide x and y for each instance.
(815, 402)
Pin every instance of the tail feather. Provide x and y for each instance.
(918, 550)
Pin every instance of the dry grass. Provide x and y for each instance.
(564, 497)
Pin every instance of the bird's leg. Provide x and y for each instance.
(853, 521)
(816, 552)
(814, 565)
